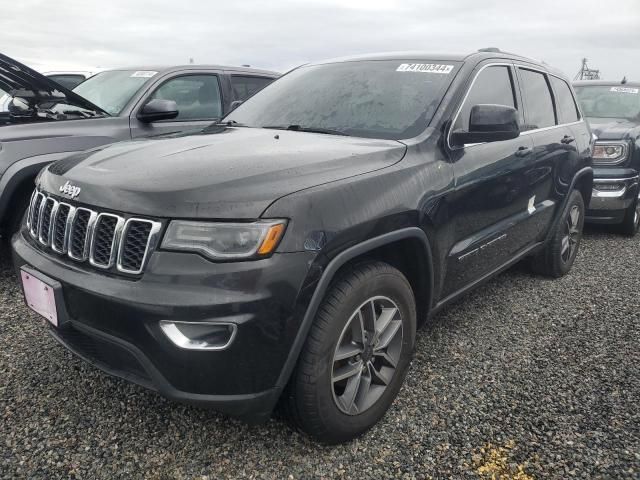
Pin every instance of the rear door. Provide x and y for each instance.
(554, 145)
(491, 193)
(198, 96)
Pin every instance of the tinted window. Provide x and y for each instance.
(244, 87)
(390, 99)
(537, 98)
(492, 86)
(610, 101)
(197, 96)
(67, 81)
(567, 108)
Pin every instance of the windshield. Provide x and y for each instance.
(112, 90)
(612, 101)
(390, 99)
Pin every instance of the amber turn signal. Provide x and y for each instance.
(271, 240)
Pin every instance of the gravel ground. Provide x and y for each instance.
(525, 378)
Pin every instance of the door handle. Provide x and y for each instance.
(523, 151)
(567, 140)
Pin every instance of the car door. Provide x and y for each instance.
(199, 99)
(491, 194)
(555, 149)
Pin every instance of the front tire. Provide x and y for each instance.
(557, 257)
(356, 355)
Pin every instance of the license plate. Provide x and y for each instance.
(40, 297)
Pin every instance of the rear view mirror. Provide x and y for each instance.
(489, 123)
(158, 109)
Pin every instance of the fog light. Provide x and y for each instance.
(199, 335)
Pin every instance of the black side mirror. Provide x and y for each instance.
(235, 104)
(489, 123)
(158, 109)
(21, 108)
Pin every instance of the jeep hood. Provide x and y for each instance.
(222, 173)
(614, 128)
(17, 79)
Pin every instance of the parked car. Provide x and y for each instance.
(613, 111)
(69, 79)
(44, 121)
(290, 252)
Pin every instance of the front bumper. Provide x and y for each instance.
(614, 192)
(113, 323)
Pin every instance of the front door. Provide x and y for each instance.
(492, 193)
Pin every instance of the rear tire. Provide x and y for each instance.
(349, 372)
(558, 255)
(631, 222)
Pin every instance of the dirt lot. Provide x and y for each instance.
(526, 378)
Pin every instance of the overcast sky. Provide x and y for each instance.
(279, 34)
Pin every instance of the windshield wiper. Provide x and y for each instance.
(300, 128)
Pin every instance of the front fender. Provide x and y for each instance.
(18, 173)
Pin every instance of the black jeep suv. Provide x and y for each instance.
(290, 252)
(613, 111)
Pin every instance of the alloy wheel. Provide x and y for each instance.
(366, 356)
(572, 234)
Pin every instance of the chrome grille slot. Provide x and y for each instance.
(106, 240)
(80, 233)
(59, 235)
(47, 211)
(34, 214)
(137, 238)
(104, 245)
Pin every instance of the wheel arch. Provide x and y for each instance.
(377, 248)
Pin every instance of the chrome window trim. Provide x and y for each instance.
(526, 132)
(464, 99)
(67, 229)
(90, 224)
(153, 237)
(115, 243)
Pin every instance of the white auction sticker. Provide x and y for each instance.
(143, 74)
(625, 90)
(425, 68)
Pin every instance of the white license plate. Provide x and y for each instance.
(40, 297)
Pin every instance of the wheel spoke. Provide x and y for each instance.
(347, 351)
(346, 371)
(384, 320)
(378, 376)
(386, 358)
(565, 245)
(349, 396)
(388, 335)
(363, 389)
(575, 216)
(368, 312)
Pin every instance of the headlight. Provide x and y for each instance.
(609, 152)
(225, 241)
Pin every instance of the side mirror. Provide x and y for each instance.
(158, 109)
(489, 123)
(21, 108)
(235, 104)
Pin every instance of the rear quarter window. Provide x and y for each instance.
(537, 99)
(565, 103)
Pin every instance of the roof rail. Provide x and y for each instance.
(490, 49)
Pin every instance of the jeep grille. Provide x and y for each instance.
(103, 239)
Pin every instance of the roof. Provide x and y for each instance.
(176, 68)
(482, 54)
(605, 83)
